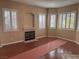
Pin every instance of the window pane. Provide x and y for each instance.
(63, 21)
(60, 20)
(78, 25)
(10, 22)
(72, 22)
(53, 21)
(14, 20)
(7, 26)
(68, 20)
(42, 22)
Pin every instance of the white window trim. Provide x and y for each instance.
(4, 18)
(45, 21)
(66, 17)
(50, 19)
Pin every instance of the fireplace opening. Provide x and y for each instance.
(30, 35)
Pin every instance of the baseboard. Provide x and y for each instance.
(40, 37)
(65, 39)
(52, 36)
(31, 41)
(37, 40)
(68, 40)
(11, 43)
(22, 41)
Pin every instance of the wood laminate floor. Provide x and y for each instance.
(68, 50)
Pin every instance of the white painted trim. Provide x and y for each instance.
(12, 43)
(37, 40)
(31, 41)
(52, 36)
(65, 39)
(18, 42)
(22, 41)
(40, 37)
(68, 40)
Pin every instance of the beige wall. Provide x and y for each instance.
(8, 37)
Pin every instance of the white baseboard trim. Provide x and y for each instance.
(11, 43)
(53, 36)
(31, 41)
(40, 37)
(68, 40)
(65, 39)
(22, 41)
(37, 40)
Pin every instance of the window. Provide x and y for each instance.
(60, 20)
(63, 20)
(42, 21)
(67, 20)
(10, 20)
(7, 20)
(78, 25)
(14, 22)
(72, 21)
(53, 21)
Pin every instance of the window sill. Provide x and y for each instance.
(52, 28)
(68, 29)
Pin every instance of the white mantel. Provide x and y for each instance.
(29, 29)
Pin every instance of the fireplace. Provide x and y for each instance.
(29, 35)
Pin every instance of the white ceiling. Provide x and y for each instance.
(49, 3)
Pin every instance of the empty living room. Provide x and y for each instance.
(39, 29)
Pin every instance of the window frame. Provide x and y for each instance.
(66, 20)
(44, 26)
(74, 21)
(63, 27)
(55, 21)
(10, 10)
